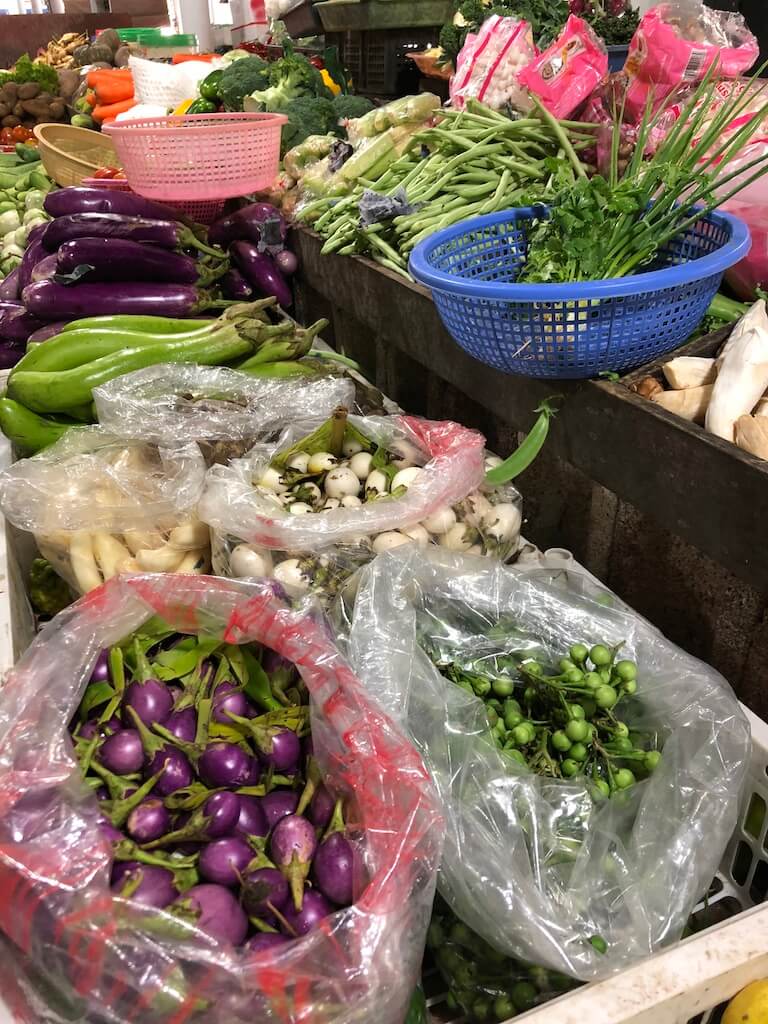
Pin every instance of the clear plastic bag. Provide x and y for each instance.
(489, 63)
(453, 461)
(100, 505)
(109, 960)
(531, 863)
(676, 44)
(211, 403)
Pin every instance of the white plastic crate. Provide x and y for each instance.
(689, 982)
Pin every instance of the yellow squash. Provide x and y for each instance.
(750, 1006)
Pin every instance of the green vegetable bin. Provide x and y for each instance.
(352, 15)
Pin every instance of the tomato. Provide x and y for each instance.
(106, 172)
(20, 133)
(6, 136)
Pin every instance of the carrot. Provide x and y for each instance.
(111, 88)
(91, 97)
(99, 73)
(109, 110)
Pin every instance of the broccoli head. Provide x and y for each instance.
(350, 107)
(290, 78)
(241, 78)
(47, 591)
(308, 115)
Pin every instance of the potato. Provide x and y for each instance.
(9, 93)
(69, 82)
(28, 90)
(4, 110)
(122, 56)
(57, 109)
(110, 38)
(18, 109)
(10, 121)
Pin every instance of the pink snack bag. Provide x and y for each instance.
(569, 70)
(489, 63)
(675, 45)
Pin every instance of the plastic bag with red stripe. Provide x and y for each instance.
(91, 956)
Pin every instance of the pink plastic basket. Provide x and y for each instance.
(199, 157)
(201, 211)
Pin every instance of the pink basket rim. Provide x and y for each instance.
(186, 123)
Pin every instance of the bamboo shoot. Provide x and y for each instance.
(689, 372)
(752, 435)
(742, 380)
(690, 403)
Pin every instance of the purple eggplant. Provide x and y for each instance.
(17, 324)
(333, 869)
(78, 199)
(292, 846)
(100, 671)
(108, 830)
(163, 233)
(252, 820)
(287, 262)
(258, 222)
(234, 286)
(221, 812)
(229, 698)
(265, 942)
(225, 764)
(44, 269)
(10, 354)
(123, 753)
(150, 699)
(49, 331)
(218, 913)
(264, 891)
(52, 301)
(182, 724)
(321, 807)
(113, 259)
(285, 751)
(224, 860)
(148, 821)
(260, 272)
(9, 286)
(34, 252)
(314, 908)
(144, 883)
(176, 769)
(278, 804)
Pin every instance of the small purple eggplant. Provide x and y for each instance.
(100, 672)
(278, 804)
(144, 883)
(321, 808)
(333, 869)
(265, 942)
(176, 769)
(148, 821)
(109, 832)
(34, 252)
(252, 820)
(45, 269)
(80, 199)
(182, 724)
(222, 812)
(218, 913)
(223, 861)
(148, 231)
(150, 699)
(255, 223)
(264, 891)
(292, 846)
(260, 272)
(9, 286)
(17, 323)
(112, 259)
(314, 908)
(49, 331)
(285, 753)
(234, 286)
(225, 764)
(123, 753)
(230, 699)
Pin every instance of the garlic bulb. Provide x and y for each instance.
(341, 481)
(299, 462)
(360, 464)
(405, 477)
(292, 577)
(376, 483)
(440, 521)
(389, 540)
(321, 462)
(272, 481)
(502, 523)
(246, 561)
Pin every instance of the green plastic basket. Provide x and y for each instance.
(352, 15)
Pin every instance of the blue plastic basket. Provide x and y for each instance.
(570, 331)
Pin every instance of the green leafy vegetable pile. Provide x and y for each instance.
(27, 70)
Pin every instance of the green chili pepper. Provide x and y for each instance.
(28, 431)
(524, 455)
(61, 391)
(140, 324)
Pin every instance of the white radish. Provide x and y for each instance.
(271, 480)
(440, 521)
(299, 508)
(298, 462)
(376, 483)
(389, 540)
(193, 563)
(351, 501)
(503, 522)
(292, 577)
(360, 464)
(406, 477)
(246, 561)
(741, 381)
(109, 553)
(190, 536)
(86, 572)
(689, 372)
(341, 481)
(166, 559)
(459, 538)
(138, 539)
(418, 534)
(321, 462)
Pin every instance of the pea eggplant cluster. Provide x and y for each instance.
(563, 720)
(200, 754)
